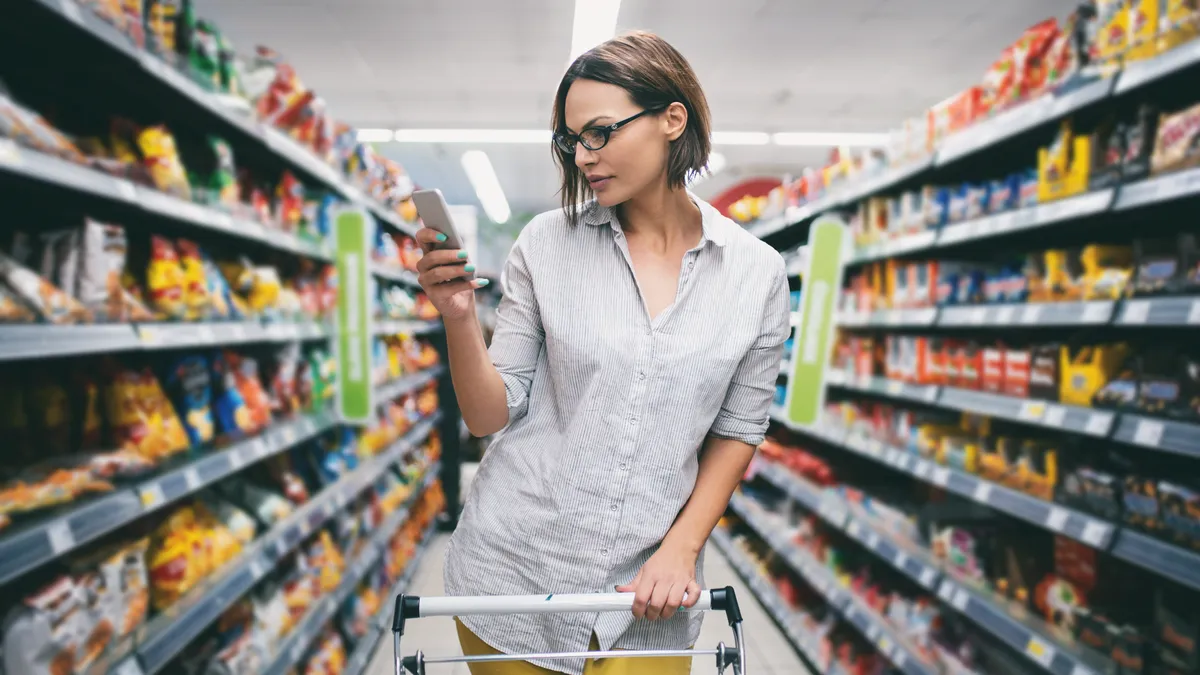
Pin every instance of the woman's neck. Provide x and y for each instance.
(661, 216)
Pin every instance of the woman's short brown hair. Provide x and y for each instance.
(655, 74)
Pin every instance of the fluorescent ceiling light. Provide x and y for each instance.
(472, 136)
(375, 135)
(595, 22)
(740, 138)
(487, 185)
(829, 139)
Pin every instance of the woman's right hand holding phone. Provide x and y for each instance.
(446, 277)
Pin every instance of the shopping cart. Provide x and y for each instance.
(412, 607)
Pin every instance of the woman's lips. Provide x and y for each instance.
(599, 184)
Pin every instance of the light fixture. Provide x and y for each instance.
(375, 135)
(595, 22)
(476, 136)
(829, 139)
(740, 138)
(487, 185)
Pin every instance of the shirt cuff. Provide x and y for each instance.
(735, 429)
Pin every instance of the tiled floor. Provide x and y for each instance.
(769, 651)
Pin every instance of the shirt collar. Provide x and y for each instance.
(594, 214)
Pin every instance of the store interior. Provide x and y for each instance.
(230, 437)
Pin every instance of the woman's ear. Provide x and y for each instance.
(675, 118)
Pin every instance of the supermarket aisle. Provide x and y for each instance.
(770, 653)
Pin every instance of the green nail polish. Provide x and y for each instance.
(441, 237)
(462, 255)
(469, 268)
(482, 282)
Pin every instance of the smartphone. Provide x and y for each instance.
(435, 214)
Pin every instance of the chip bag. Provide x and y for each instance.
(165, 279)
(234, 418)
(161, 160)
(50, 304)
(190, 387)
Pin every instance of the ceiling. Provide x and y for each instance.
(766, 65)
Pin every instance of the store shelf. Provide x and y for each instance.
(1160, 312)
(1139, 73)
(169, 633)
(1029, 218)
(909, 243)
(892, 318)
(33, 341)
(380, 624)
(386, 393)
(1091, 313)
(1159, 189)
(769, 598)
(1010, 123)
(1180, 438)
(872, 625)
(880, 386)
(45, 540)
(393, 273)
(917, 565)
(882, 181)
(312, 626)
(409, 327)
(1059, 416)
(1174, 563)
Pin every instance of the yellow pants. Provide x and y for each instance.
(473, 646)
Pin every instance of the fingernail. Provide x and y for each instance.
(482, 282)
(469, 268)
(462, 255)
(441, 237)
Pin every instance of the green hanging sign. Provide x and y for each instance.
(818, 312)
(352, 232)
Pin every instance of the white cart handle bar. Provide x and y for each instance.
(412, 607)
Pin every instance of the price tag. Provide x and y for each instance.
(1055, 416)
(1098, 423)
(1095, 532)
(130, 665)
(1194, 313)
(873, 632)
(922, 469)
(1080, 669)
(853, 529)
(978, 316)
(901, 559)
(1039, 651)
(941, 476)
(150, 335)
(256, 569)
(894, 387)
(60, 536)
(297, 651)
(192, 478)
(872, 540)
(960, 599)
(151, 495)
(875, 447)
(931, 393)
(927, 576)
(1136, 312)
(946, 590)
(886, 646)
(1004, 315)
(1031, 411)
(1148, 433)
(289, 434)
(983, 492)
(10, 154)
(1031, 314)
(236, 460)
(1057, 519)
(124, 188)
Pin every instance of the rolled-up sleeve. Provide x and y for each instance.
(518, 338)
(745, 413)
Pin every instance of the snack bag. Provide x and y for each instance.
(60, 259)
(289, 202)
(190, 387)
(12, 310)
(245, 372)
(115, 579)
(161, 160)
(219, 295)
(51, 410)
(197, 301)
(223, 181)
(47, 632)
(234, 419)
(50, 304)
(177, 558)
(161, 413)
(162, 26)
(165, 278)
(101, 265)
(267, 507)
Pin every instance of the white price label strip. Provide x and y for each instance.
(130, 665)
(126, 189)
(1031, 411)
(60, 536)
(983, 492)
(9, 153)
(960, 600)
(1148, 433)
(1098, 423)
(1095, 532)
(873, 540)
(1194, 313)
(256, 569)
(1004, 315)
(192, 478)
(1057, 519)
(894, 387)
(1031, 315)
(946, 590)
(1040, 652)
(1055, 416)
(941, 476)
(927, 576)
(70, 9)
(901, 559)
(1136, 312)
(151, 495)
(1096, 312)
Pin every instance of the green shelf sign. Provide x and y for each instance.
(818, 312)
(352, 232)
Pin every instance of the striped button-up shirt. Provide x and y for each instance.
(608, 410)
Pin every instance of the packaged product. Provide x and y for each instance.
(162, 26)
(234, 419)
(267, 507)
(51, 411)
(220, 297)
(288, 480)
(245, 372)
(116, 583)
(139, 414)
(178, 557)
(324, 557)
(60, 258)
(40, 488)
(221, 545)
(189, 384)
(28, 128)
(238, 522)
(101, 264)
(1178, 141)
(50, 304)
(196, 299)
(50, 632)
(289, 202)
(329, 658)
(12, 310)
(165, 280)
(161, 159)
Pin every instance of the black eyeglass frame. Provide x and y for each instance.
(571, 141)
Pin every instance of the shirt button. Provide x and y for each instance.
(690, 265)
(612, 507)
(603, 551)
(624, 466)
(632, 419)
(641, 375)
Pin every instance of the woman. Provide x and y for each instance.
(629, 378)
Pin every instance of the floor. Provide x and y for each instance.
(770, 653)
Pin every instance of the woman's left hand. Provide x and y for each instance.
(660, 585)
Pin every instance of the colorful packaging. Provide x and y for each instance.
(165, 279)
(190, 387)
(196, 299)
(50, 304)
(234, 419)
(51, 632)
(161, 160)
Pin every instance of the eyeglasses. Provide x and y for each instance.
(593, 138)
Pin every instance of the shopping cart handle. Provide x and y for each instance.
(411, 606)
